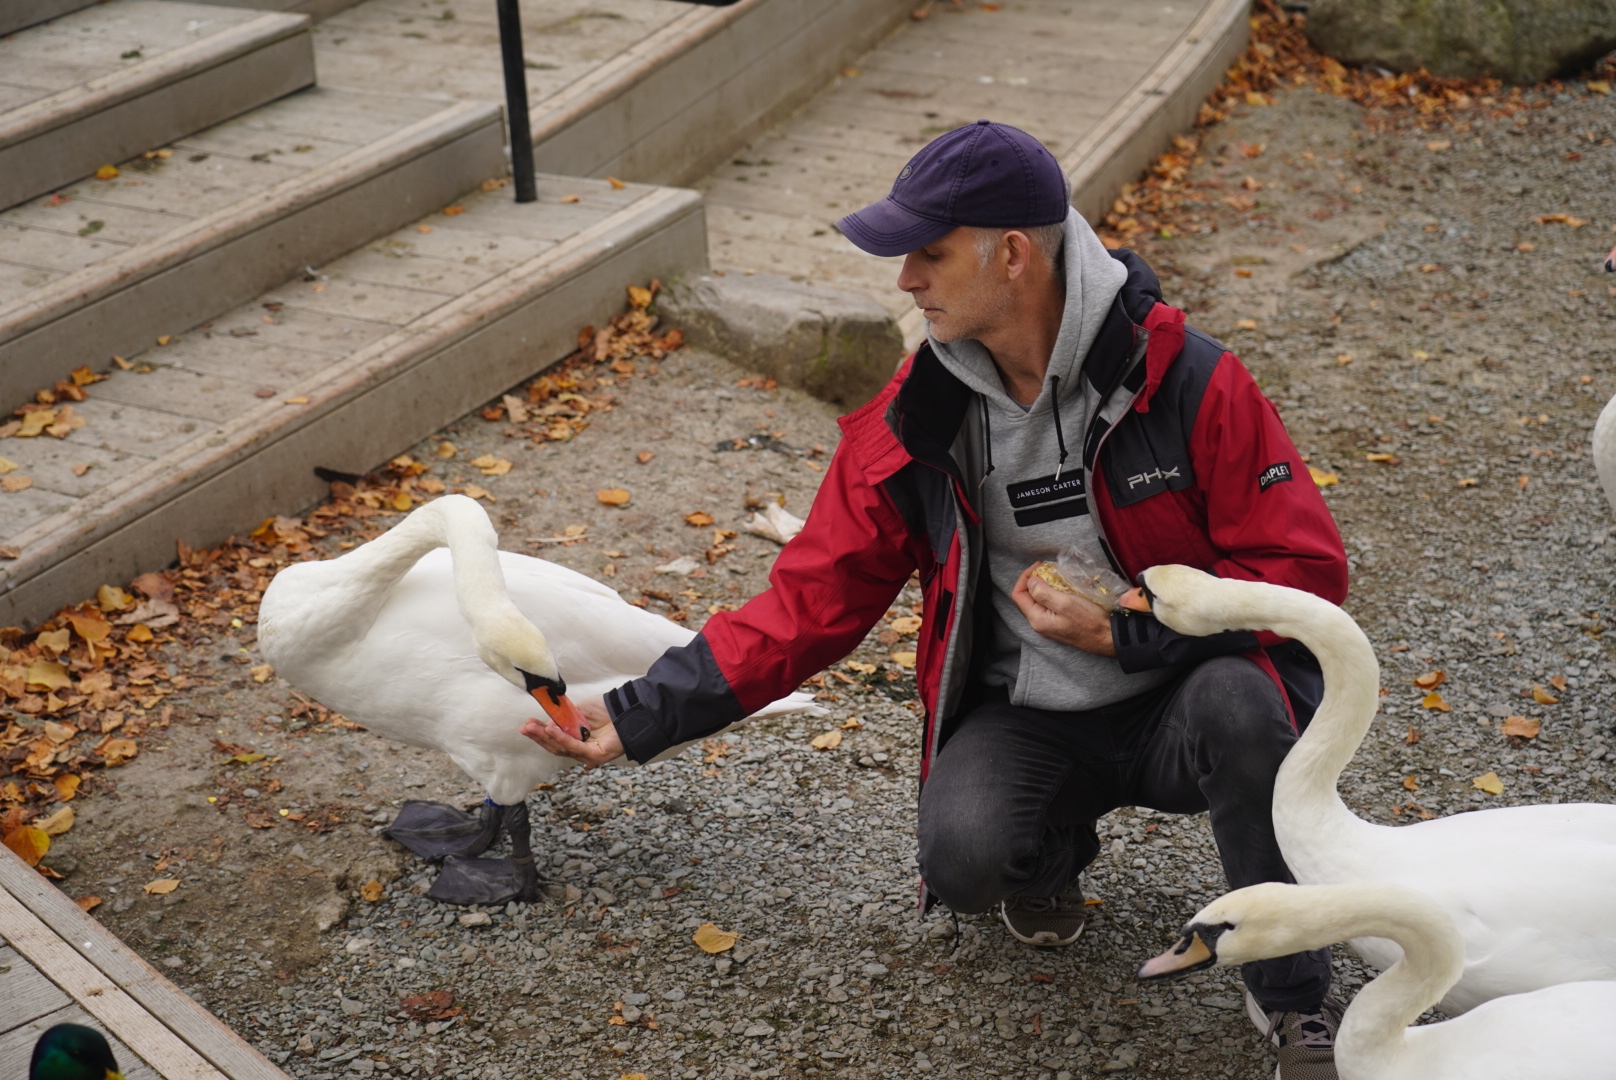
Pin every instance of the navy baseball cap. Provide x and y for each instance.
(988, 175)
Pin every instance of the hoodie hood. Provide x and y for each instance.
(1093, 280)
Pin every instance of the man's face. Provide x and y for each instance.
(960, 295)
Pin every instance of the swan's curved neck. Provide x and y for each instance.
(368, 573)
(1306, 784)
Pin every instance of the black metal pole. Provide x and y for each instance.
(516, 122)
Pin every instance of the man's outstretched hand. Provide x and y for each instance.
(602, 746)
(1062, 616)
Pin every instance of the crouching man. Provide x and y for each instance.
(1057, 403)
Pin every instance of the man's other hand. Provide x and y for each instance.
(1062, 616)
(602, 746)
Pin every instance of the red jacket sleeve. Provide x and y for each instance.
(829, 585)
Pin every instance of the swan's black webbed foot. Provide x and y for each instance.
(493, 881)
(436, 830)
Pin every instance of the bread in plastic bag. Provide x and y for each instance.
(1076, 571)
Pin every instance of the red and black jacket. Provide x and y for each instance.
(1184, 461)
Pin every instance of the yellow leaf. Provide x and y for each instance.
(713, 940)
(451, 211)
(908, 624)
(862, 669)
(1437, 145)
(91, 625)
(1542, 696)
(1561, 219)
(88, 903)
(1388, 459)
(1246, 324)
(447, 450)
(13, 484)
(613, 497)
(1490, 783)
(1433, 700)
(7, 465)
(1558, 682)
(35, 422)
(55, 641)
(67, 785)
(1321, 478)
(632, 1076)
(47, 675)
(1430, 680)
(161, 887)
(617, 185)
(698, 519)
(638, 297)
(571, 198)
(905, 660)
(59, 822)
(300, 399)
(261, 673)
(139, 633)
(402, 501)
(830, 740)
(112, 598)
(107, 172)
(1598, 86)
(1411, 784)
(371, 891)
(59, 733)
(1469, 482)
(244, 759)
(1521, 728)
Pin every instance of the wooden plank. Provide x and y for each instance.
(193, 1026)
(17, 1044)
(28, 995)
(99, 995)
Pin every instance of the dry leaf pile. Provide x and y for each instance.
(78, 693)
(50, 413)
(1278, 57)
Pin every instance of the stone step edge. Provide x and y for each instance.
(99, 94)
(62, 297)
(216, 450)
(1162, 103)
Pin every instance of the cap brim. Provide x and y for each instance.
(887, 229)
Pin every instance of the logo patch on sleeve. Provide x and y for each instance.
(1274, 474)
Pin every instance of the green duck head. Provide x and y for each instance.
(73, 1052)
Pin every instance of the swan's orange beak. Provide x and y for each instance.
(561, 709)
(1190, 954)
(1134, 600)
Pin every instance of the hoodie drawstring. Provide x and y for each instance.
(987, 440)
(1060, 439)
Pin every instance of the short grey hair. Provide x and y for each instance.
(1047, 240)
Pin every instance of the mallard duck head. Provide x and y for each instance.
(73, 1052)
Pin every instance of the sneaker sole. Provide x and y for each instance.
(1051, 944)
(1259, 1019)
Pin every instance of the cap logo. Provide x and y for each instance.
(907, 169)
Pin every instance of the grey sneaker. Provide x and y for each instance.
(1306, 1040)
(1043, 920)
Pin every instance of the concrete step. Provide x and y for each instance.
(20, 14)
(649, 90)
(108, 82)
(106, 267)
(342, 367)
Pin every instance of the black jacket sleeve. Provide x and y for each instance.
(1143, 643)
(643, 710)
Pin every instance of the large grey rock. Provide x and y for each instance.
(1522, 41)
(837, 345)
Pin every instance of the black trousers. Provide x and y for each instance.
(1011, 801)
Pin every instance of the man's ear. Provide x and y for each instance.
(1020, 254)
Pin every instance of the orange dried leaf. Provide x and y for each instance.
(117, 751)
(905, 660)
(710, 939)
(613, 496)
(47, 675)
(67, 785)
(139, 633)
(1410, 784)
(371, 891)
(28, 843)
(1542, 696)
(698, 519)
(1323, 479)
(907, 624)
(830, 740)
(57, 823)
(261, 673)
(1521, 727)
(1558, 682)
(644, 457)
(161, 887)
(1489, 782)
(88, 903)
(1434, 701)
(1431, 680)
(1411, 738)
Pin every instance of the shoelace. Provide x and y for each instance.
(1314, 1031)
(1041, 903)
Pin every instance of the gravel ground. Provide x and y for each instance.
(1488, 367)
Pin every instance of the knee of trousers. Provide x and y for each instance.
(1235, 705)
(965, 861)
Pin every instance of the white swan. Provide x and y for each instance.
(1604, 446)
(440, 649)
(1558, 1033)
(1532, 889)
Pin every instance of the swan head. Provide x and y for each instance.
(1248, 924)
(515, 649)
(1186, 599)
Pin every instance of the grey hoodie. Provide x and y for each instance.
(1027, 514)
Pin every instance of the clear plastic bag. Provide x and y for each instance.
(1077, 571)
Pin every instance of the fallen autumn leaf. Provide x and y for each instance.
(711, 939)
